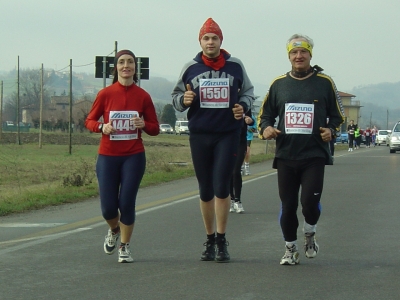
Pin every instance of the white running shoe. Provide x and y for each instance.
(291, 256)
(238, 207)
(349, 149)
(110, 242)
(311, 247)
(124, 254)
(246, 170)
(232, 209)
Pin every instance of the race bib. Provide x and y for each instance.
(121, 121)
(299, 118)
(214, 93)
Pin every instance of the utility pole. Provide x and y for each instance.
(70, 106)
(387, 119)
(41, 109)
(370, 121)
(18, 131)
(1, 110)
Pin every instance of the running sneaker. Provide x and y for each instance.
(238, 207)
(209, 251)
(232, 208)
(110, 242)
(311, 247)
(291, 256)
(246, 170)
(124, 254)
(222, 252)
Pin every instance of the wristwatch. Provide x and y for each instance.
(101, 127)
(333, 132)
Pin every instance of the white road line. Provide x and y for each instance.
(29, 225)
(28, 242)
(38, 240)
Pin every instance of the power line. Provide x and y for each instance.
(85, 65)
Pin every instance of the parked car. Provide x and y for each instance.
(181, 127)
(388, 137)
(394, 140)
(381, 137)
(344, 138)
(255, 134)
(166, 128)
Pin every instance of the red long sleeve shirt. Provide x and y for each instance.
(119, 99)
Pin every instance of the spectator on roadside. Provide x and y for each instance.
(357, 137)
(374, 132)
(303, 99)
(216, 90)
(236, 181)
(127, 110)
(367, 134)
(350, 131)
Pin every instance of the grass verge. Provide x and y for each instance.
(33, 178)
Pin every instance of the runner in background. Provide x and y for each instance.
(250, 135)
(236, 181)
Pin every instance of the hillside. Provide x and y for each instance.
(380, 102)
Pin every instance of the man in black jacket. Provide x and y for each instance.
(303, 99)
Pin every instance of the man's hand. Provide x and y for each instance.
(238, 111)
(270, 133)
(326, 134)
(189, 96)
(248, 120)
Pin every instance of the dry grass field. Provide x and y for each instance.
(33, 177)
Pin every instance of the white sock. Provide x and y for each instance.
(290, 244)
(307, 228)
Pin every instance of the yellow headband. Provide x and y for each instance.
(299, 44)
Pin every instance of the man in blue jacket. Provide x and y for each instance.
(216, 91)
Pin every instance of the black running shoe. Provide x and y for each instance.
(209, 251)
(222, 251)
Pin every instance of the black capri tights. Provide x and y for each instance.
(236, 181)
(119, 178)
(293, 174)
(214, 156)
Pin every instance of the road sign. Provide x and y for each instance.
(142, 67)
(99, 64)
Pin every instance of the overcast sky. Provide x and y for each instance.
(356, 41)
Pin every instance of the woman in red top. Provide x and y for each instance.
(127, 110)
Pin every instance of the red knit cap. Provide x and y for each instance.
(210, 26)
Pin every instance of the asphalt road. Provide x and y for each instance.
(57, 253)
